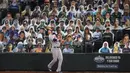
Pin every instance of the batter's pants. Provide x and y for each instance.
(57, 55)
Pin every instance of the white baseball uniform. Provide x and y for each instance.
(56, 52)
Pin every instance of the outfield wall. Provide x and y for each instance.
(71, 62)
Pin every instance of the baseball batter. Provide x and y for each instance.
(56, 52)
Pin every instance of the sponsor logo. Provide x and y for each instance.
(108, 66)
(99, 59)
